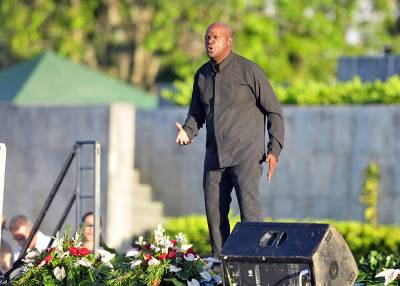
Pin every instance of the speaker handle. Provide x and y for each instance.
(281, 238)
(273, 238)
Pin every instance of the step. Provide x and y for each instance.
(148, 210)
(142, 192)
(148, 226)
(136, 175)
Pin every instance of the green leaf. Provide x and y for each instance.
(175, 281)
(48, 280)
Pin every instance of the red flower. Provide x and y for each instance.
(163, 256)
(146, 246)
(74, 251)
(190, 250)
(84, 251)
(171, 254)
(173, 241)
(147, 256)
(51, 250)
(48, 259)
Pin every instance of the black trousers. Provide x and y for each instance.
(218, 185)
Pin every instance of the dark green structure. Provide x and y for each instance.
(52, 79)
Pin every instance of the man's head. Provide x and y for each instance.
(218, 41)
(20, 227)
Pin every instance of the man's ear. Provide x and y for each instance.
(230, 41)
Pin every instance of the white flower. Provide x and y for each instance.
(139, 241)
(180, 237)
(57, 240)
(169, 244)
(155, 248)
(134, 252)
(189, 257)
(164, 242)
(106, 257)
(193, 282)
(59, 249)
(174, 268)
(159, 233)
(64, 254)
(136, 263)
(211, 259)
(30, 256)
(210, 262)
(206, 276)
(389, 274)
(76, 240)
(153, 261)
(185, 247)
(58, 243)
(59, 273)
(84, 262)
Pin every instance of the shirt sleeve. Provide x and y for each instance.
(196, 115)
(269, 105)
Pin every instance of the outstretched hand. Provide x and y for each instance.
(271, 161)
(182, 138)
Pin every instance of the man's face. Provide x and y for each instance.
(20, 234)
(218, 43)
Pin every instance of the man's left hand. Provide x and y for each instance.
(271, 161)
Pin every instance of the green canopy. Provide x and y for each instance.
(52, 79)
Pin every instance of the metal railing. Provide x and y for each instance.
(77, 197)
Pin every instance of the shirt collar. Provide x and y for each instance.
(220, 67)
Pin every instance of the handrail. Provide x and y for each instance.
(75, 197)
(49, 199)
(62, 219)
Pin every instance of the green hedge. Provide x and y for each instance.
(361, 237)
(352, 92)
(194, 227)
(373, 264)
(316, 93)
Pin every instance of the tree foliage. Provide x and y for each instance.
(147, 41)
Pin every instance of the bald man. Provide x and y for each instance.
(233, 97)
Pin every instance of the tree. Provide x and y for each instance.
(301, 40)
(142, 42)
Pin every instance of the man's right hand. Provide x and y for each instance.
(181, 137)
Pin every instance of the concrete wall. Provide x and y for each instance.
(319, 173)
(38, 141)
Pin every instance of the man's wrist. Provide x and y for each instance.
(271, 152)
(188, 132)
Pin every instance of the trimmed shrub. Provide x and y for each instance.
(361, 237)
(374, 263)
(316, 93)
(352, 92)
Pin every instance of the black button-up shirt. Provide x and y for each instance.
(233, 99)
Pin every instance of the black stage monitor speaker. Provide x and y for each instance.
(287, 254)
